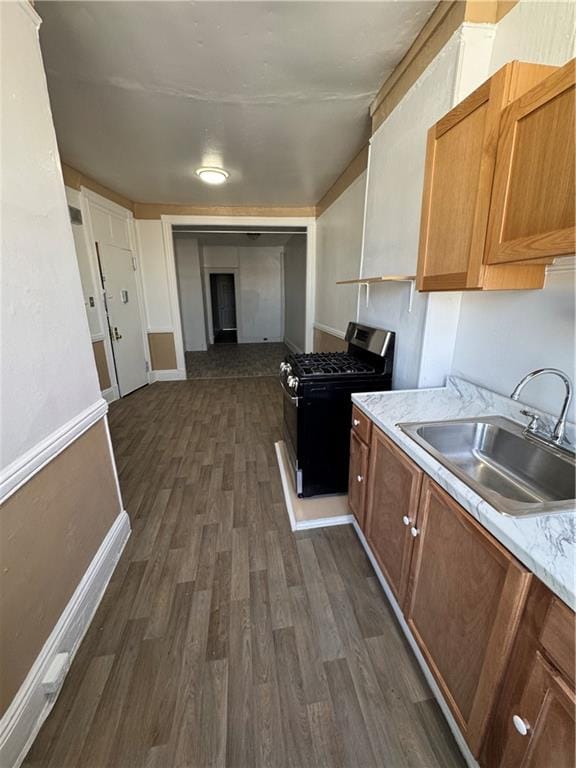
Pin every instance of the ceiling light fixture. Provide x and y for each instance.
(212, 175)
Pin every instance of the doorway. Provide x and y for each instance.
(223, 300)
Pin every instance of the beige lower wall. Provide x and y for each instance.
(162, 351)
(101, 365)
(327, 342)
(50, 530)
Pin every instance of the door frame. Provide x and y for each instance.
(168, 221)
(88, 201)
(206, 272)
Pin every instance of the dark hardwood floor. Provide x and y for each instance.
(223, 639)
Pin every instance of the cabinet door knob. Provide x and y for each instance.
(521, 725)
(414, 531)
(360, 478)
(406, 520)
(356, 422)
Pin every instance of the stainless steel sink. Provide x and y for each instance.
(491, 455)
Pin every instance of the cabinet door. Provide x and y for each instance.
(542, 731)
(393, 492)
(467, 594)
(357, 477)
(532, 210)
(460, 160)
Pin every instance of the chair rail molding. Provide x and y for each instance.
(32, 461)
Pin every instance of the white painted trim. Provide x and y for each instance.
(176, 374)
(265, 221)
(463, 746)
(113, 460)
(302, 525)
(26, 6)
(331, 331)
(364, 220)
(31, 706)
(108, 205)
(97, 337)
(161, 329)
(26, 466)
(292, 347)
(110, 394)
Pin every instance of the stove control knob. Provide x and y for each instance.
(293, 382)
(285, 368)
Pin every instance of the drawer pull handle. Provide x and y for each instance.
(414, 531)
(521, 725)
(356, 422)
(406, 520)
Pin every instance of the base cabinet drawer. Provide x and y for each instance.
(466, 598)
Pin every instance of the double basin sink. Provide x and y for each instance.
(493, 456)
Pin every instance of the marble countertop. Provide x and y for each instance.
(544, 544)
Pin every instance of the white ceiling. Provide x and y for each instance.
(275, 92)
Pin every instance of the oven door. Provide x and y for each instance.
(290, 432)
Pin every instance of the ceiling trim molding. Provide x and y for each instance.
(354, 169)
(446, 18)
(157, 210)
(76, 179)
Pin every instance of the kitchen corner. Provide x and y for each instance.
(545, 544)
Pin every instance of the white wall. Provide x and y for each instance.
(295, 293)
(259, 288)
(502, 336)
(339, 247)
(48, 373)
(190, 292)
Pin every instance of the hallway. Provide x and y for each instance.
(224, 639)
(229, 361)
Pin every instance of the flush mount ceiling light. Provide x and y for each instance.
(212, 175)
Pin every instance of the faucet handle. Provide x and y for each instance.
(532, 425)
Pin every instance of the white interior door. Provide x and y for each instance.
(117, 268)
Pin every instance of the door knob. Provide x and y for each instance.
(117, 336)
(521, 725)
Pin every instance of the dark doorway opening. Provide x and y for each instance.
(223, 298)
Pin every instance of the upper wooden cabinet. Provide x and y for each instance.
(532, 214)
(459, 173)
(466, 599)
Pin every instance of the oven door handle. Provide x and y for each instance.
(289, 394)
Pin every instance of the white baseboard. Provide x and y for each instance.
(331, 331)
(177, 374)
(292, 347)
(260, 340)
(24, 467)
(31, 706)
(468, 756)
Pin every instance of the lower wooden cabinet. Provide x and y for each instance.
(500, 645)
(466, 599)
(541, 732)
(357, 477)
(393, 492)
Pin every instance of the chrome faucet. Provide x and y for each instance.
(558, 436)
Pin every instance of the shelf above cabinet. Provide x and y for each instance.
(383, 279)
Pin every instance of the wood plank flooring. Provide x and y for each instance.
(223, 639)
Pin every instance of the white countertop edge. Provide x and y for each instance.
(475, 505)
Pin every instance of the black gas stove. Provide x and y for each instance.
(318, 406)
